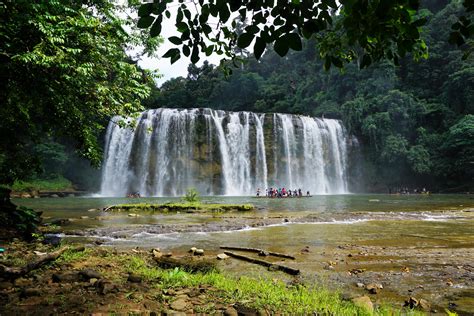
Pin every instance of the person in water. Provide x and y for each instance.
(258, 192)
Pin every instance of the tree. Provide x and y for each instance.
(348, 30)
(64, 72)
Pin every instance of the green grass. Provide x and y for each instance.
(273, 296)
(56, 184)
(181, 207)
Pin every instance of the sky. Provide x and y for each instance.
(163, 65)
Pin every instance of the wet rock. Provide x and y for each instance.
(373, 288)
(364, 302)
(52, 240)
(54, 196)
(199, 252)
(60, 221)
(105, 286)
(134, 278)
(222, 256)
(230, 311)
(88, 274)
(180, 305)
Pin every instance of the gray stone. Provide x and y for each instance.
(359, 284)
(364, 302)
(222, 256)
(88, 274)
(180, 305)
(199, 252)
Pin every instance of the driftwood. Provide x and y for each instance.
(264, 263)
(16, 272)
(260, 251)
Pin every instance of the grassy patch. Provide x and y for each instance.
(271, 295)
(189, 207)
(57, 184)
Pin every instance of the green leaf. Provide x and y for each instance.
(175, 40)
(195, 54)
(281, 46)
(156, 28)
(294, 41)
(259, 47)
(244, 40)
(171, 52)
(145, 22)
(145, 9)
(186, 50)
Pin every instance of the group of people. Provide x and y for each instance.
(406, 190)
(134, 195)
(281, 193)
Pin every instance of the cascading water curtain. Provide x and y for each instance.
(223, 153)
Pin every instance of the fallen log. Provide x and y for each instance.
(260, 251)
(264, 263)
(186, 264)
(12, 273)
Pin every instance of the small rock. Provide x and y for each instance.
(92, 210)
(29, 292)
(22, 282)
(54, 196)
(364, 302)
(222, 256)
(5, 285)
(263, 253)
(180, 305)
(373, 288)
(230, 311)
(84, 217)
(93, 281)
(66, 277)
(156, 253)
(199, 252)
(88, 274)
(133, 215)
(360, 285)
(134, 278)
(412, 302)
(424, 305)
(105, 286)
(192, 250)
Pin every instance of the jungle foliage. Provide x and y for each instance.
(414, 121)
(64, 72)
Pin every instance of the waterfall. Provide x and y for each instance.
(169, 151)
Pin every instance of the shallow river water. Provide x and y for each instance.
(415, 245)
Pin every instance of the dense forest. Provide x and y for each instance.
(414, 122)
